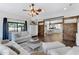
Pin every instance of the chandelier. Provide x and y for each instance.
(33, 11)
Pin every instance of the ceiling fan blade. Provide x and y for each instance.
(33, 10)
(39, 10)
(25, 10)
(37, 13)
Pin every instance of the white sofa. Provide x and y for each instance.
(64, 51)
(58, 51)
(51, 48)
(51, 45)
(57, 48)
(73, 51)
(15, 49)
(4, 50)
(21, 36)
(11, 48)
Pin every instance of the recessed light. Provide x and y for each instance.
(65, 8)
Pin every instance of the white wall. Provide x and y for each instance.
(1, 28)
(32, 29)
(72, 11)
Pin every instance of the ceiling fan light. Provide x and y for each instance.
(32, 4)
(65, 8)
(39, 10)
(37, 13)
(33, 11)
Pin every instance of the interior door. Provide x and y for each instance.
(70, 30)
(41, 29)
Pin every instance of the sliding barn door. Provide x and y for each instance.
(70, 30)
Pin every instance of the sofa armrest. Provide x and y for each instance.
(18, 47)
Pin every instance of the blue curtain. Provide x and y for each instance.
(5, 29)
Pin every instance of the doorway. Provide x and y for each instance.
(41, 30)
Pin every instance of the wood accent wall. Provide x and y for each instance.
(69, 32)
(68, 35)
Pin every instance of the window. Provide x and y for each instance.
(20, 27)
(16, 26)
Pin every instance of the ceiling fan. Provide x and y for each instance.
(33, 10)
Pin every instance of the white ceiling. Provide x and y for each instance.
(15, 10)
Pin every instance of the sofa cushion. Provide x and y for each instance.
(21, 36)
(17, 35)
(59, 51)
(73, 51)
(22, 39)
(51, 45)
(52, 52)
(24, 33)
(18, 47)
